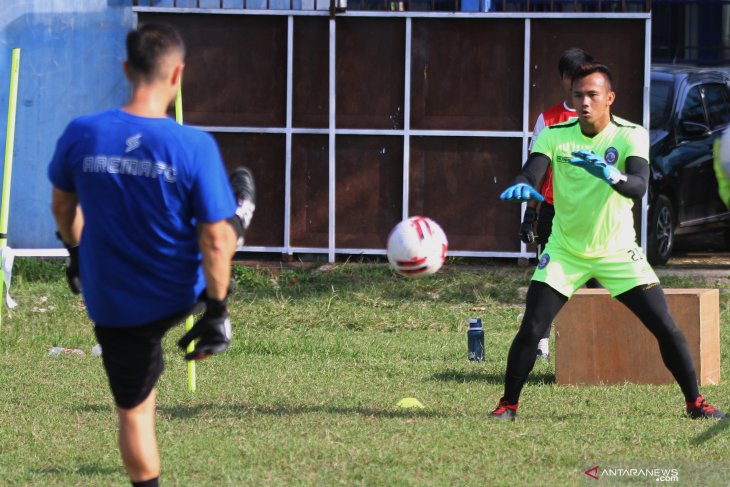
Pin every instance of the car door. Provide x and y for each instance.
(717, 105)
(689, 158)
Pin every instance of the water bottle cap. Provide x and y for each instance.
(475, 321)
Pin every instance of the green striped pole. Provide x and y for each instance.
(189, 321)
(8, 169)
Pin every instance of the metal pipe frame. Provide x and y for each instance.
(332, 131)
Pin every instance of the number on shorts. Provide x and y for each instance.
(635, 255)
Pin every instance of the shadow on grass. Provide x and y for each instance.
(489, 377)
(190, 411)
(711, 432)
(84, 470)
(184, 411)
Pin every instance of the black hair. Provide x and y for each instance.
(590, 68)
(147, 45)
(572, 59)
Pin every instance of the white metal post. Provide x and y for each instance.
(287, 156)
(332, 91)
(525, 109)
(407, 121)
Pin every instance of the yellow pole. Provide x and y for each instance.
(189, 321)
(8, 169)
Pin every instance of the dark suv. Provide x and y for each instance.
(690, 107)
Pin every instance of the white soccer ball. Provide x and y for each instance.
(417, 247)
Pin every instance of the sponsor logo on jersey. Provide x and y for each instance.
(133, 143)
(611, 155)
(544, 261)
(130, 166)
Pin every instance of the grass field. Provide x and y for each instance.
(306, 395)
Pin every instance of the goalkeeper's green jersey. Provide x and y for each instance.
(591, 218)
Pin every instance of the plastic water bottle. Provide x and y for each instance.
(475, 338)
(65, 351)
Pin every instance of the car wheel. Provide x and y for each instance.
(661, 231)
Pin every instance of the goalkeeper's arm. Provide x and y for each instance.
(637, 178)
(534, 169)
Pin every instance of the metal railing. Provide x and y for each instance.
(578, 6)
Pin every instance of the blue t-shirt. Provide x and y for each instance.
(143, 184)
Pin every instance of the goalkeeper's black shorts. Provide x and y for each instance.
(133, 356)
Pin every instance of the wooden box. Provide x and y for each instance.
(599, 341)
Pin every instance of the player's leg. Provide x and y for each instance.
(543, 304)
(631, 280)
(559, 273)
(544, 229)
(649, 304)
(137, 441)
(133, 362)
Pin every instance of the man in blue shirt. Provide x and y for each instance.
(140, 203)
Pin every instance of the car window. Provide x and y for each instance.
(661, 103)
(716, 101)
(692, 110)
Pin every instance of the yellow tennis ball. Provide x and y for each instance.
(409, 403)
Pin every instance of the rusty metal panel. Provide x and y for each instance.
(309, 191)
(311, 79)
(235, 73)
(264, 154)
(619, 44)
(369, 194)
(457, 182)
(370, 74)
(467, 74)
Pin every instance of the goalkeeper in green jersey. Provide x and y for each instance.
(600, 164)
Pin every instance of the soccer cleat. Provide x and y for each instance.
(504, 410)
(701, 409)
(244, 190)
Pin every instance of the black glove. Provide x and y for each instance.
(527, 232)
(213, 330)
(72, 266)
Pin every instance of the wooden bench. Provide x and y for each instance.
(599, 341)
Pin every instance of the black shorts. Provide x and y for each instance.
(133, 357)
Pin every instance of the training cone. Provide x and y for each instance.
(409, 403)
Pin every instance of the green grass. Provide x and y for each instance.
(306, 395)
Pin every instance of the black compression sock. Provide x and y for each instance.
(155, 482)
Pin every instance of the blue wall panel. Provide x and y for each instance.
(71, 56)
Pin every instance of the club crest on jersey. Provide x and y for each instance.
(133, 142)
(611, 155)
(544, 261)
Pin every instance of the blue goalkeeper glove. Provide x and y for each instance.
(521, 192)
(597, 167)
